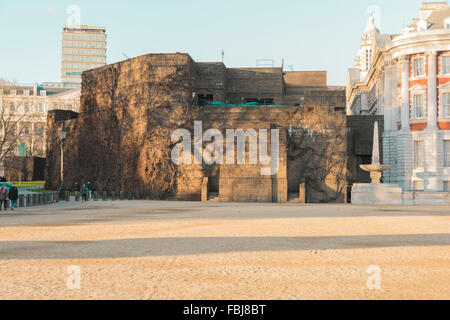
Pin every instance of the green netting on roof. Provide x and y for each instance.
(217, 104)
(250, 104)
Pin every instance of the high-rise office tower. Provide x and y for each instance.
(83, 48)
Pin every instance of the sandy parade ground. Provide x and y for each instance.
(190, 250)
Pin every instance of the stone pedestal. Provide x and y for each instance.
(376, 194)
(302, 193)
(205, 189)
(21, 201)
(414, 198)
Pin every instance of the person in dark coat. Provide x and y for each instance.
(13, 196)
(3, 198)
(89, 187)
(84, 193)
(76, 188)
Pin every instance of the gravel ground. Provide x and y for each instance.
(188, 250)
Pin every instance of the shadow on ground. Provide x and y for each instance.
(148, 211)
(150, 247)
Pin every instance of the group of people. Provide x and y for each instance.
(11, 194)
(85, 190)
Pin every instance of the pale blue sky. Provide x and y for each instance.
(309, 35)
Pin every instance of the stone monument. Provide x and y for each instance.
(376, 193)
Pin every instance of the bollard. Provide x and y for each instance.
(105, 195)
(67, 196)
(113, 195)
(130, 196)
(29, 200)
(121, 195)
(21, 201)
(95, 195)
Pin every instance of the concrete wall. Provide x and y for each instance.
(211, 78)
(360, 143)
(254, 83)
(305, 79)
(121, 140)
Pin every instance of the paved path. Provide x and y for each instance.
(188, 250)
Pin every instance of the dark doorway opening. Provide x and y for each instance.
(204, 99)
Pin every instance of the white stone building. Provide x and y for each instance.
(24, 109)
(406, 78)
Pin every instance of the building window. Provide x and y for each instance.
(445, 65)
(26, 129)
(447, 153)
(419, 154)
(419, 67)
(39, 129)
(41, 107)
(447, 186)
(447, 23)
(445, 104)
(419, 106)
(368, 58)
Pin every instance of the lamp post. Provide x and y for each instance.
(62, 137)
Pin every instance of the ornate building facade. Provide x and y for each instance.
(406, 78)
(23, 114)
